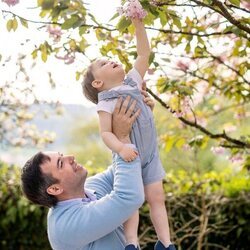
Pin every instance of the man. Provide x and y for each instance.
(87, 213)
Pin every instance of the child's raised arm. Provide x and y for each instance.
(111, 141)
(143, 47)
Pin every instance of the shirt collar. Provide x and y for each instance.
(90, 196)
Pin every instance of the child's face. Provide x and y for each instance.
(110, 72)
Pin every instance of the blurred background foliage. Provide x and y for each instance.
(199, 76)
(206, 211)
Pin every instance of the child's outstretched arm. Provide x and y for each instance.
(111, 141)
(143, 47)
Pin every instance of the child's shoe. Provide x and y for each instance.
(160, 246)
(131, 247)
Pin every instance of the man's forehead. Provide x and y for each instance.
(53, 157)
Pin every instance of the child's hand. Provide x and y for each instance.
(127, 153)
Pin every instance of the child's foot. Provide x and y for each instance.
(131, 247)
(160, 246)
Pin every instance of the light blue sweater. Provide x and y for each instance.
(97, 225)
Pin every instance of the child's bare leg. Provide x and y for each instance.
(131, 228)
(154, 194)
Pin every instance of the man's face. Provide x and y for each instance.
(67, 171)
(108, 71)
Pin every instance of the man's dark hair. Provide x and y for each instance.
(35, 182)
(89, 91)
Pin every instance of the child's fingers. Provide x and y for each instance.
(144, 93)
(143, 86)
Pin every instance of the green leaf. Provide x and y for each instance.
(180, 142)
(169, 143)
(151, 58)
(48, 4)
(78, 74)
(70, 22)
(34, 54)
(14, 24)
(163, 18)
(123, 24)
(93, 19)
(24, 22)
(177, 22)
(188, 48)
(114, 16)
(235, 2)
(82, 30)
(82, 45)
(9, 25)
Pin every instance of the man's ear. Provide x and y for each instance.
(54, 189)
(97, 84)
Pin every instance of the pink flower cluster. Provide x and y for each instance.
(182, 65)
(69, 58)
(55, 32)
(11, 2)
(185, 107)
(218, 150)
(132, 9)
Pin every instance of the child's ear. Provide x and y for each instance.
(97, 84)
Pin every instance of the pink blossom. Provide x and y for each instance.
(183, 66)
(132, 9)
(246, 5)
(201, 121)
(68, 58)
(229, 128)
(185, 107)
(151, 71)
(55, 32)
(178, 114)
(218, 150)
(240, 115)
(186, 147)
(236, 158)
(11, 2)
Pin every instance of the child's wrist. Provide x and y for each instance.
(125, 139)
(120, 148)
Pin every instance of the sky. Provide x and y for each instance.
(68, 90)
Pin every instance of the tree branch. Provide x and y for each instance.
(237, 7)
(190, 33)
(229, 17)
(238, 143)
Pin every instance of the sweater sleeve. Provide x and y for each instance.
(80, 225)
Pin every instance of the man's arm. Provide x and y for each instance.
(143, 47)
(83, 224)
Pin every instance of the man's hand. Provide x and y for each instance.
(127, 153)
(123, 119)
(147, 99)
